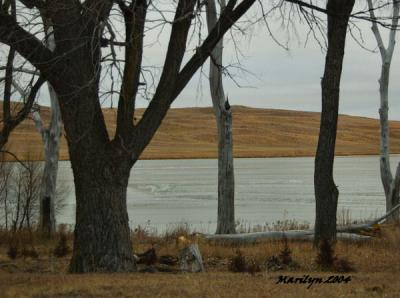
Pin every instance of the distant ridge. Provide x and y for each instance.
(191, 133)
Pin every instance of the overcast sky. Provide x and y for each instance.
(283, 79)
(291, 80)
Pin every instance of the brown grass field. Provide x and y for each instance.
(191, 133)
(376, 264)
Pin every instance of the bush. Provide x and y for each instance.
(29, 253)
(286, 254)
(325, 257)
(12, 251)
(343, 265)
(62, 248)
(253, 267)
(328, 261)
(238, 263)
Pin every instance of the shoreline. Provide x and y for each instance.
(9, 158)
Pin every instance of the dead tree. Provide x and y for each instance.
(51, 142)
(101, 164)
(223, 117)
(391, 185)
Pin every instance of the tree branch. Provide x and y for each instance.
(134, 28)
(12, 122)
(25, 44)
(161, 102)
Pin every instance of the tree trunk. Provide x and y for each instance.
(226, 178)
(51, 142)
(102, 234)
(223, 116)
(326, 192)
(391, 186)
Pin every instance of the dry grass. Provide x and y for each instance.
(377, 265)
(191, 133)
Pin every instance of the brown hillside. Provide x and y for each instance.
(191, 133)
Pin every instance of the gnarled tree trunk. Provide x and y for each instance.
(223, 116)
(102, 234)
(326, 192)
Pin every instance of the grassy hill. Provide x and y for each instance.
(191, 133)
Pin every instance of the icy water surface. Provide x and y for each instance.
(162, 193)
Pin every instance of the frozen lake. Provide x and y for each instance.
(162, 193)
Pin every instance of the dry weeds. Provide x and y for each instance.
(377, 263)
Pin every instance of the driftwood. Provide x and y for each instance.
(343, 233)
(149, 257)
(190, 259)
(293, 235)
(369, 225)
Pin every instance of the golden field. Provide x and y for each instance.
(376, 264)
(191, 133)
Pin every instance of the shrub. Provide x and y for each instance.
(12, 251)
(253, 267)
(238, 263)
(325, 257)
(286, 254)
(62, 248)
(343, 265)
(29, 253)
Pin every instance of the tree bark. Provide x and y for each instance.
(51, 143)
(391, 186)
(326, 192)
(223, 117)
(102, 235)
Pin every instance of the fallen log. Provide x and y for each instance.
(274, 235)
(369, 225)
(343, 233)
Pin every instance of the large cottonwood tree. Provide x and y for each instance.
(101, 165)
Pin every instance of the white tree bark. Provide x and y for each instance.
(51, 143)
(223, 116)
(347, 232)
(391, 186)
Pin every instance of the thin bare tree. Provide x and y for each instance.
(391, 185)
(223, 117)
(51, 142)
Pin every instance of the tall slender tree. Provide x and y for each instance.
(326, 192)
(391, 185)
(223, 117)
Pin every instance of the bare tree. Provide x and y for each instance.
(51, 141)
(223, 116)
(326, 192)
(11, 120)
(391, 185)
(101, 165)
(6, 173)
(24, 190)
